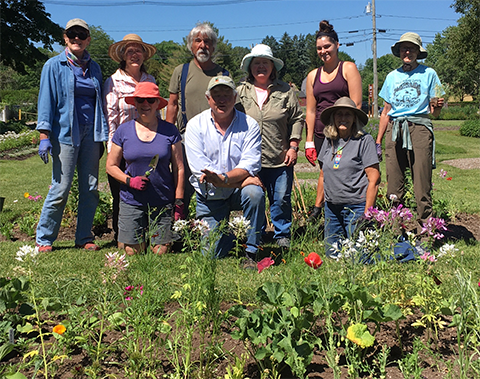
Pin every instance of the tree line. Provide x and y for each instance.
(454, 54)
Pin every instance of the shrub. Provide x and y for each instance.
(470, 128)
(14, 126)
(465, 111)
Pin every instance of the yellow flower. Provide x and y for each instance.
(26, 195)
(359, 335)
(59, 329)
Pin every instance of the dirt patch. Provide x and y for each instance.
(465, 163)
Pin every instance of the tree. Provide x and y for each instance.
(98, 50)
(385, 64)
(24, 22)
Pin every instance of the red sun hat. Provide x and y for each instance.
(146, 90)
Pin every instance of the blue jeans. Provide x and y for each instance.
(278, 182)
(250, 199)
(340, 223)
(64, 160)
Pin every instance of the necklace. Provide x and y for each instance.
(335, 152)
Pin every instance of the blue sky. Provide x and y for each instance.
(247, 22)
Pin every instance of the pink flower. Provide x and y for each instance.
(265, 263)
(426, 256)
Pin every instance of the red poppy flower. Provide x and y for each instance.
(265, 263)
(313, 260)
(450, 178)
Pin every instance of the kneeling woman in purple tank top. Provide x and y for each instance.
(150, 192)
(324, 86)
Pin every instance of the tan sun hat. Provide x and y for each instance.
(413, 38)
(343, 102)
(117, 50)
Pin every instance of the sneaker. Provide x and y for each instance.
(249, 264)
(315, 214)
(283, 242)
(43, 248)
(88, 246)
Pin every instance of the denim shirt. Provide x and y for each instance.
(56, 102)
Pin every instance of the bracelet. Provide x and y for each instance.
(128, 181)
(294, 148)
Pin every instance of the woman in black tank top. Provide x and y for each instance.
(325, 85)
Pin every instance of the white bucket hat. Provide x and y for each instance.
(413, 38)
(260, 51)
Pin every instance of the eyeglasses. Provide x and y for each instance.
(150, 100)
(72, 34)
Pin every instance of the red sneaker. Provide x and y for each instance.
(43, 248)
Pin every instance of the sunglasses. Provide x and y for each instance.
(150, 100)
(73, 34)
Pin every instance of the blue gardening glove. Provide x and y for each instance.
(44, 149)
(379, 151)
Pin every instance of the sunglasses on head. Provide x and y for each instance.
(150, 100)
(81, 35)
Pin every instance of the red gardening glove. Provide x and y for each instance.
(139, 183)
(311, 155)
(179, 212)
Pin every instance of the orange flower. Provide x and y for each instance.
(59, 329)
(313, 260)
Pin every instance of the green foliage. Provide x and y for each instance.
(13, 126)
(470, 128)
(25, 22)
(98, 50)
(20, 97)
(465, 111)
(385, 64)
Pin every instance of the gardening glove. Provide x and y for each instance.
(379, 151)
(138, 182)
(44, 149)
(179, 210)
(310, 152)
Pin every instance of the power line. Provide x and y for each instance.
(150, 2)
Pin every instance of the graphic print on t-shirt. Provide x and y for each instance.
(336, 161)
(407, 94)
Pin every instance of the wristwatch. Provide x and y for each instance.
(294, 148)
(225, 178)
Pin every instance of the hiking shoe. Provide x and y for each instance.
(249, 264)
(283, 242)
(315, 214)
(43, 248)
(88, 246)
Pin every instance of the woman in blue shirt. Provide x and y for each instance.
(72, 128)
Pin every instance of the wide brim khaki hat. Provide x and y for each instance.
(343, 102)
(413, 38)
(117, 50)
(260, 51)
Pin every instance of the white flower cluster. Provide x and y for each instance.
(239, 226)
(26, 252)
(200, 226)
(447, 249)
(12, 135)
(366, 243)
(180, 225)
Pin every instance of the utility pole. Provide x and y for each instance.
(375, 74)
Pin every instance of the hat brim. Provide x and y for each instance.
(163, 103)
(396, 50)
(115, 50)
(327, 112)
(247, 59)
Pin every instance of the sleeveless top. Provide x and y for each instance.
(326, 94)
